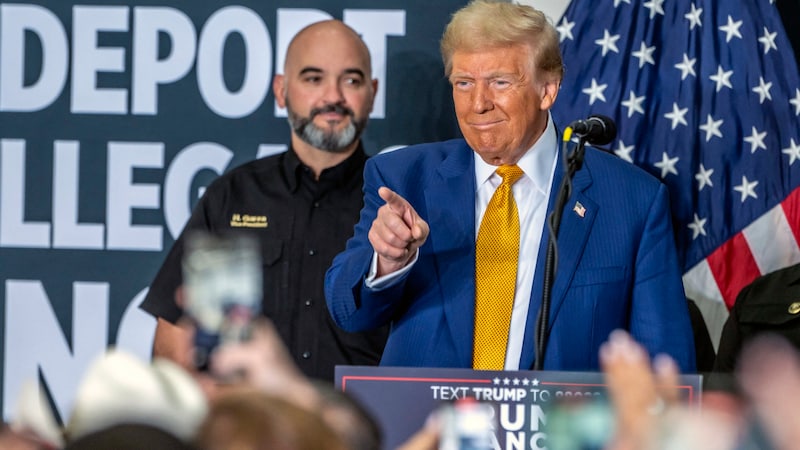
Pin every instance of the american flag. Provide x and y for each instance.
(706, 96)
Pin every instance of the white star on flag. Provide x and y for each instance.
(634, 104)
(793, 151)
(595, 91)
(698, 227)
(644, 54)
(768, 39)
(655, 7)
(747, 188)
(711, 127)
(722, 78)
(703, 178)
(565, 29)
(667, 165)
(694, 17)
(763, 90)
(756, 140)
(624, 151)
(608, 42)
(731, 29)
(796, 102)
(677, 116)
(686, 66)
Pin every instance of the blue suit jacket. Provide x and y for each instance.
(617, 265)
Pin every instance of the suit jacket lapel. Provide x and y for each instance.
(572, 235)
(450, 199)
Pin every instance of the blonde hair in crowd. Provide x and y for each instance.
(486, 24)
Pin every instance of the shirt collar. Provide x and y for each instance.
(294, 169)
(537, 162)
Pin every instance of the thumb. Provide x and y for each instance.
(420, 229)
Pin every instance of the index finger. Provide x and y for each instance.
(393, 199)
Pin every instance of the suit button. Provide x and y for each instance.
(312, 252)
(309, 302)
(306, 354)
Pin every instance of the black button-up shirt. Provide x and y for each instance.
(308, 222)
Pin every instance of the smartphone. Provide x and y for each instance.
(580, 424)
(223, 289)
(467, 425)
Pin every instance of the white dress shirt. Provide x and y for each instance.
(531, 193)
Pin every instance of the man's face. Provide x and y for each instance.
(501, 102)
(326, 90)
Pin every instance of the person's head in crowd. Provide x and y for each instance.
(119, 388)
(133, 436)
(327, 89)
(348, 418)
(504, 63)
(248, 418)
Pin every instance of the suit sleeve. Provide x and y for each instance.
(659, 313)
(352, 305)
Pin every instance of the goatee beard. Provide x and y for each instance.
(326, 139)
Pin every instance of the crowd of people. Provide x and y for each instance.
(254, 397)
(397, 260)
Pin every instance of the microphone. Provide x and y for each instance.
(596, 130)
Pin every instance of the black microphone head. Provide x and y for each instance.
(596, 130)
(604, 133)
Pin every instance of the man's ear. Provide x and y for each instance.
(549, 92)
(279, 89)
(374, 93)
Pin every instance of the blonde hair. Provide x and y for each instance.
(485, 24)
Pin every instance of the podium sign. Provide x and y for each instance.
(401, 398)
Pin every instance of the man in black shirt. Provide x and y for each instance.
(301, 205)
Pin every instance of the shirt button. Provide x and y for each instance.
(309, 302)
(316, 204)
(312, 252)
(306, 354)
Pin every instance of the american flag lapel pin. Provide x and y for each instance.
(579, 209)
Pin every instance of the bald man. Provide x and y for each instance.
(310, 198)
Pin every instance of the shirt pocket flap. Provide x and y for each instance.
(271, 251)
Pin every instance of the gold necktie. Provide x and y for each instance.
(496, 254)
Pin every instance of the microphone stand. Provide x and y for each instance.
(572, 164)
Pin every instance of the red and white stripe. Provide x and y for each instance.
(767, 244)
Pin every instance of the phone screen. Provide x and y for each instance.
(223, 286)
(467, 425)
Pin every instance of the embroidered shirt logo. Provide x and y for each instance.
(248, 221)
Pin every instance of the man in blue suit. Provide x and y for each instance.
(412, 260)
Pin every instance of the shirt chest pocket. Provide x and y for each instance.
(275, 269)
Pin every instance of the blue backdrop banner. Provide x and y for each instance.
(114, 115)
